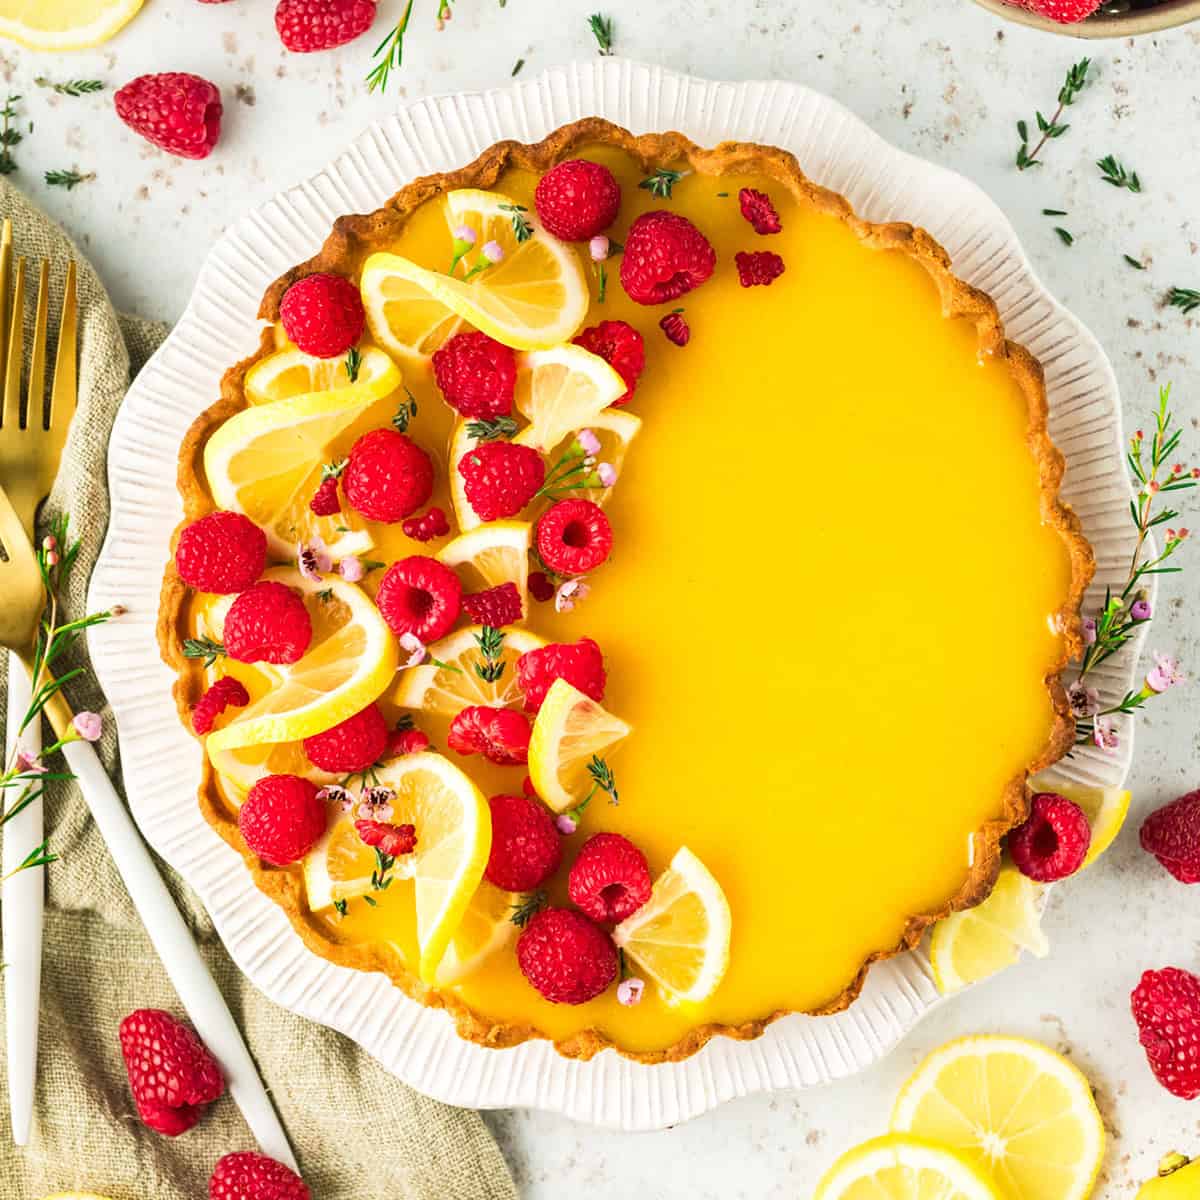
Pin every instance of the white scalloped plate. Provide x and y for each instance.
(162, 762)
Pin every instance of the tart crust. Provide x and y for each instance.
(355, 237)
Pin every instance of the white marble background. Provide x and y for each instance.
(940, 78)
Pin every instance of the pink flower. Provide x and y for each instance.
(464, 233)
(1104, 735)
(589, 443)
(1088, 628)
(598, 248)
(566, 824)
(607, 474)
(30, 764)
(1165, 673)
(375, 804)
(492, 251)
(313, 559)
(1140, 610)
(1085, 701)
(49, 542)
(414, 648)
(338, 795)
(351, 569)
(89, 726)
(629, 991)
(570, 593)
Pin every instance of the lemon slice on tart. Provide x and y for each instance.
(485, 928)
(902, 1167)
(290, 372)
(64, 24)
(493, 554)
(338, 867)
(244, 766)
(461, 444)
(562, 390)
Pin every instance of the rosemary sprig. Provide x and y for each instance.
(527, 907)
(490, 641)
(491, 429)
(353, 363)
(1187, 299)
(68, 179)
(71, 87)
(205, 648)
(522, 230)
(405, 413)
(602, 30)
(1052, 128)
(9, 137)
(661, 182)
(1111, 171)
(389, 54)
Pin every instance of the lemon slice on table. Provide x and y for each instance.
(339, 866)
(350, 662)
(64, 24)
(291, 372)
(1020, 1112)
(971, 945)
(897, 1167)
(495, 553)
(680, 936)
(1105, 809)
(486, 927)
(562, 390)
(569, 729)
(266, 460)
(447, 690)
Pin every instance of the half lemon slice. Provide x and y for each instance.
(461, 444)
(64, 24)
(898, 1167)
(493, 554)
(339, 866)
(486, 927)
(242, 768)
(290, 372)
(562, 390)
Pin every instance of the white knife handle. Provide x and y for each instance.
(21, 918)
(172, 939)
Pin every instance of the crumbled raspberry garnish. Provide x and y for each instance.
(388, 476)
(405, 741)
(678, 331)
(499, 734)
(325, 501)
(179, 112)
(323, 314)
(498, 606)
(222, 552)
(1053, 843)
(247, 1175)
(526, 848)
(580, 663)
(224, 692)
(577, 199)
(395, 840)
(665, 256)
(477, 375)
(282, 819)
(1166, 1007)
(758, 268)
(420, 596)
(1172, 835)
(267, 623)
(308, 25)
(621, 346)
(609, 880)
(566, 957)
(573, 537)
(352, 745)
(430, 524)
(541, 587)
(759, 211)
(500, 478)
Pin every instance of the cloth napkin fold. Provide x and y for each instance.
(358, 1133)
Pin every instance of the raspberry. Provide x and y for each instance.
(609, 880)
(1066, 12)
(421, 596)
(222, 552)
(405, 741)
(565, 957)
(759, 211)
(678, 331)
(758, 268)
(354, 745)
(308, 25)
(577, 199)
(323, 314)
(282, 819)
(580, 663)
(1053, 843)
(477, 375)
(665, 256)
(171, 1073)
(430, 524)
(388, 476)
(1166, 1007)
(498, 606)
(268, 623)
(574, 536)
(621, 346)
(325, 502)
(250, 1176)
(499, 734)
(1172, 835)
(175, 110)
(500, 478)
(540, 586)
(393, 840)
(224, 692)
(526, 848)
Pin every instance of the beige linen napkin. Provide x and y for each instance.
(359, 1134)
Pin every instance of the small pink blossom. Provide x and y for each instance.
(375, 804)
(414, 648)
(1140, 610)
(566, 824)
(629, 991)
(30, 764)
(1088, 628)
(607, 474)
(89, 726)
(464, 233)
(313, 559)
(49, 542)
(570, 593)
(1104, 734)
(1084, 700)
(351, 569)
(1153, 486)
(1165, 673)
(337, 795)
(493, 252)
(589, 443)
(52, 558)
(599, 248)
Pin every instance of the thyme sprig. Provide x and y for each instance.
(389, 54)
(9, 137)
(603, 31)
(205, 648)
(353, 363)
(71, 87)
(490, 641)
(68, 179)
(603, 780)
(1112, 172)
(522, 229)
(661, 181)
(1052, 128)
(527, 907)
(491, 429)
(1187, 299)
(405, 413)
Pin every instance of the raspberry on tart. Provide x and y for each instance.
(430, 524)
(499, 734)
(222, 552)
(326, 501)
(268, 622)
(757, 208)
(676, 328)
(420, 596)
(665, 257)
(622, 347)
(388, 476)
(225, 692)
(500, 478)
(609, 879)
(352, 746)
(580, 663)
(405, 741)
(577, 199)
(526, 847)
(282, 818)
(566, 957)
(394, 840)
(477, 375)
(573, 537)
(323, 314)
(498, 606)
(758, 268)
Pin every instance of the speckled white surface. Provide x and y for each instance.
(934, 78)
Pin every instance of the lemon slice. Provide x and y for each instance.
(266, 460)
(535, 298)
(350, 662)
(339, 866)
(495, 553)
(561, 390)
(461, 444)
(1014, 1108)
(971, 945)
(435, 689)
(64, 24)
(291, 372)
(898, 1167)
(486, 927)
(569, 729)
(243, 767)
(680, 936)
(1105, 809)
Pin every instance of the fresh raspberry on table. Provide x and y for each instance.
(430, 524)
(499, 734)
(393, 840)
(678, 331)
(267, 623)
(352, 746)
(1053, 843)
(526, 848)
(325, 501)
(420, 596)
(577, 199)
(224, 692)
(621, 346)
(1066, 12)
(1166, 1007)
(405, 741)
(500, 478)
(1172, 835)
(573, 536)
(246, 1175)
(477, 375)
(323, 314)
(177, 111)
(665, 256)
(541, 587)
(757, 208)
(758, 268)
(498, 606)
(282, 818)
(222, 552)
(308, 25)
(387, 476)
(580, 663)
(609, 879)
(566, 957)
(171, 1073)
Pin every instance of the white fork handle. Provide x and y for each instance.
(173, 940)
(21, 919)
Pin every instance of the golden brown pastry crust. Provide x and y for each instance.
(354, 237)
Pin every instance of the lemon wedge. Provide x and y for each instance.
(290, 372)
(64, 24)
(680, 936)
(492, 554)
(266, 460)
(562, 390)
(898, 1167)
(244, 766)
(1020, 1112)
(569, 729)
(339, 866)
(971, 945)
(448, 689)
(461, 444)
(486, 927)
(1105, 809)
(350, 662)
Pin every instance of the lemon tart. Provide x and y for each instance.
(837, 588)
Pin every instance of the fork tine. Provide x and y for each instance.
(6, 253)
(10, 414)
(35, 393)
(64, 390)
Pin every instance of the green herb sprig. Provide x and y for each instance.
(603, 31)
(405, 413)
(522, 229)
(527, 907)
(491, 429)
(661, 182)
(10, 138)
(491, 645)
(71, 87)
(1053, 127)
(389, 54)
(205, 648)
(1187, 299)
(1112, 172)
(68, 179)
